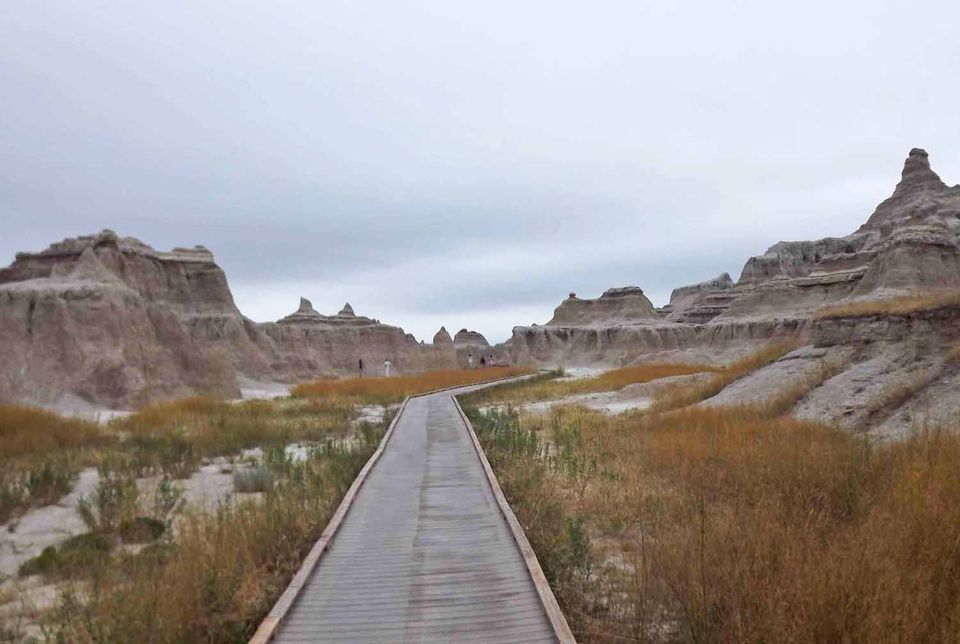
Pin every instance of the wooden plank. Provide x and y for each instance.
(270, 625)
(547, 598)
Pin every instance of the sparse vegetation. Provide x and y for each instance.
(216, 579)
(684, 394)
(255, 479)
(40, 455)
(139, 574)
(903, 305)
(550, 387)
(734, 524)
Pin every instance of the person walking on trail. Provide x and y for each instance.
(386, 367)
(360, 366)
(483, 362)
(469, 361)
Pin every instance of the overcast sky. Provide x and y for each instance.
(465, 164)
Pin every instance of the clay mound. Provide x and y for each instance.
(442, 337)
(465, 338)
(615, 306)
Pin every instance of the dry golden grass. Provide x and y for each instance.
(904, 305)
(388, 390)
(613, 380)
(214, 427)
(730, 525)
(27, 430)
(683, 395)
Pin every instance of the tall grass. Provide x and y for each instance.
(27, 430)
(550, 388)
(39, 457)
(159, 436)
(389, 390)
(682, 395)
(730, 525)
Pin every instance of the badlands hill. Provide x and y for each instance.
(877, 314)
(111, 321)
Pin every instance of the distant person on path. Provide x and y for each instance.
(386, 367)
(360, 366)
(469, 361)
(483, 362)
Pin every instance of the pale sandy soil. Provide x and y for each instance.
(631, 397)
(26, 537)
(261, 390)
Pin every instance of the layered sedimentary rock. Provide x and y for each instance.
(111, 320)
(615, 305)
(701, 302)
(117, 323)
(909, 243)
(306, 343)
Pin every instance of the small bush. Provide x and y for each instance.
(141, 530)
(113, 503)
(248, 481)
(77, 557)
(41, 479)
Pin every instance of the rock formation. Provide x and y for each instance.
(465, 338)
(616, 305)
(117, 323)
(908, 245)
(701, 302)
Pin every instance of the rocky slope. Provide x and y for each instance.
(878, 369)
(114, 322)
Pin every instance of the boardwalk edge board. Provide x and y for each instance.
(547, 598)
(268, 627)
(271, 623)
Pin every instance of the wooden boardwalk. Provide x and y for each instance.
(428, 551)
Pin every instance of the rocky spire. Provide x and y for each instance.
(305, 306)
(920, 189)
(917, 173)
(347, 311)
(442, 336)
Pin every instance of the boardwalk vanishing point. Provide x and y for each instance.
(423, 548)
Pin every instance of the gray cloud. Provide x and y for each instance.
(433, 160)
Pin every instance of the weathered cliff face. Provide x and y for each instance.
(117, 323)
(306, 344)
(701, 302)
(909, 243)
(111, 320)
